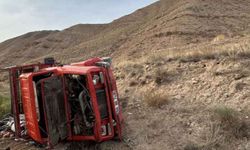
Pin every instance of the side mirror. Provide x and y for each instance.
(103, 64)
(107, 59)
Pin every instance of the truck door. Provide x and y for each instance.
(54, 107)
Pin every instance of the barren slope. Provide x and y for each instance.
(165, 24)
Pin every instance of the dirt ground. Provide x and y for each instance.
(192, 91)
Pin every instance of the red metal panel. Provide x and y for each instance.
(81, 138)
(110, 119)
(16, 104)
(30, 108)
(89, 62)
(112, 87)
(97, 128)
(90, 86)
(76, 68)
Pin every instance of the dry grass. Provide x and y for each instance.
(203, 51)
(214, 139)
(161, 76)
(192, 146)
(225, 115)
(236, 50)
(165, 75)
(133, 83)
(226, 125)
(156, 59)
(4, 106)
(130, 69)
(232, 122)
(155, 98)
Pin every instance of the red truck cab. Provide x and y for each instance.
(73, 102)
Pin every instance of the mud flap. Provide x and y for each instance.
(55, 109)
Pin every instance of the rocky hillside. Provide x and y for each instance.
(162, 25)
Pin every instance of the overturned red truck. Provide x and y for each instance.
(73, 102)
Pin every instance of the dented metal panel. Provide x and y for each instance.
(55, 123)
(28, 106)
(55, 109)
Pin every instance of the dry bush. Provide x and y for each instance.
(161, 76)
(231, 122)
(220, 37)
(232, 51)
(225, 115)
(156, 58)
(211, 139)
(239, 51)
(240, 86)
(195, 53)
(133, 83)
(244, 54)
(216, 50)
(4, 106)
(237, 74)
(131, 69)
(192, 146)
(214, 139)
(155, 98)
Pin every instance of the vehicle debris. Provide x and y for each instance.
(51, 102)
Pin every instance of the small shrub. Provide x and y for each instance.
(244, 54)
(241, 51)
(225, 114)
(240, 86)
(192, 146)
(161, 76)
(133, 83)
(213, 138)
(132, 70)
(156, 59)
(155, 98)
(219, 37)
(4, 106)
(190, 58)
(45, 46)
(231, 122)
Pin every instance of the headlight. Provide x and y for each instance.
(96, 79)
